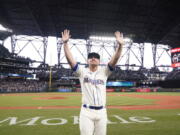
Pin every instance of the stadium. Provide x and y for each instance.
(41, 95)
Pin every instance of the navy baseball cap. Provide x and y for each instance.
(93, 55)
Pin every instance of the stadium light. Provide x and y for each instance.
(106, 38)
(127, 40)
(2, 28)
(102, 38)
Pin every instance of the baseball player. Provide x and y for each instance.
(93, 115)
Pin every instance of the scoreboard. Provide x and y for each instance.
(175, 57)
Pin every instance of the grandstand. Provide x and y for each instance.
(14, 66)
(40, 94)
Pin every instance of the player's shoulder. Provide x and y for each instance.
(83, 68)
(107, 69)
(102, 68)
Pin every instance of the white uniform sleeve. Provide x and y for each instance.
(108, 70)
(77, 70)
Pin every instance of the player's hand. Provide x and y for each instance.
(65, 35)
(119, 37)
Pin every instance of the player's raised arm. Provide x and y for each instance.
(117, 54)
(65, 38)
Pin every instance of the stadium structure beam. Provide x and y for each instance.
(45, 44)
(80, 51)
(141, 49)
(107, 51)
(88, 46)
(3, 43)
(105, 47)
(59, 47)
(158, 55)
(128, 56)
(71, 46)
(19, 43)
(141, 55)
(154, 51)
(13, 43)
(168, 52)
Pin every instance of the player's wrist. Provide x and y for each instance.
(120, 44)
(65, 42)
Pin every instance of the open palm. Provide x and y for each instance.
(65, 35)
(119, 37)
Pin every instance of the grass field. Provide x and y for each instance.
(57, 114)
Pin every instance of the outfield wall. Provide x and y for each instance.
(108, 90)
(148, 90)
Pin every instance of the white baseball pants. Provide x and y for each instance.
(93, 122)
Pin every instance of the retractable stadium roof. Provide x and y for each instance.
(155, 21)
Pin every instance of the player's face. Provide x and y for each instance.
(93, 61)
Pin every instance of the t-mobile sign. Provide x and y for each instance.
(175, 57)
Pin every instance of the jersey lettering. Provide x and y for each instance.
(94, 82)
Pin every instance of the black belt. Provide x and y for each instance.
(93, 107)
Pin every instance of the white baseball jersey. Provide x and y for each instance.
(93, 84)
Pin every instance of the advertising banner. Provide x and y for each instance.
(175, 57)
